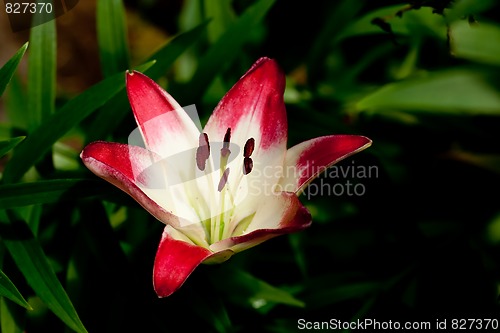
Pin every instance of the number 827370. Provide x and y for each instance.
(28, 7)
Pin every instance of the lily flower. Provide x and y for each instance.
(221, 190)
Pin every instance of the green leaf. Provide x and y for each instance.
(211, 308)
(243, 288)
(322, 297)
(7, 70)
(112, 37)
(7, 145)
(70, 115)
(449, 92)
(49, 191)
(15, 105)
(9, 290)
(41, 92)
(411, 22)
(109, 118)
(463, 8)
(169, 53)
(41, 73)
(33, 264)
(222, 53)
(296, 243)
(477, 42)
(222, 15)
(341, 13)
(11, 317)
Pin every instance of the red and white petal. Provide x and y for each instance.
(168, 131)
(130, 169)
(308, 159)
(165, 127)
(255, 101)
(176, 258)
(279, 214)
(253, 108)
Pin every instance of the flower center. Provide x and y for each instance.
(220, 225)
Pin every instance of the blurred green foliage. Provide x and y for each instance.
(421, 242)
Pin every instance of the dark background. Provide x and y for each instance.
(421, 243)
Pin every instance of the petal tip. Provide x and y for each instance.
(130, 74)
(270, 69)
(262, 60)
(162, 292)
(86, 151)
(175, 261)
(92, 149)
(270, 63)
(365, 142)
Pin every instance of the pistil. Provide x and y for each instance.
(219, 229)
(220, 224)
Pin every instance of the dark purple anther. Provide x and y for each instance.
(247, 165)
(203, 151)
(249, 146)
(224, 152)
(223, 180)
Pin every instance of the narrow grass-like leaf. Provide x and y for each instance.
(41, 96)
(245, 289)
(15, 105)
(117, 108)
(71, 114)
(167, 54)
(49, 191)
(477, 42)
(222, 16)
(9, 290)
(33, 264)
(341, 13)
(222, 53)
(10, 67)
(449, 92)
(112, 37)
(41, 73)
(211, 308)
(321, 297)
(7, 145)
(11, 317)
(32, 216)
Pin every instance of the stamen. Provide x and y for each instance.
(249, 146)
(247, 165)
(224, 152)
(203, 151)
(223, 180)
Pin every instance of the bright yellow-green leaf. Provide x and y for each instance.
(112, 36)
(449, 92)
(10, 67)
(41, 73)
(478, 42)
(9, 290)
